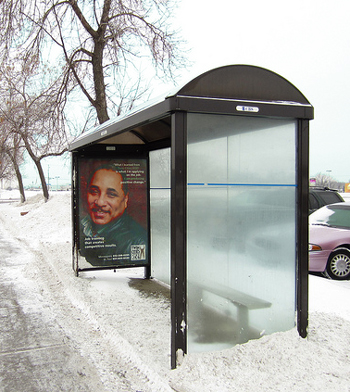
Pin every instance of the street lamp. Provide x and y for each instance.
(57, 183)
(329, 177)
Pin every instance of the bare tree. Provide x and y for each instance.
(100, 41)
(6, 167)
(326, 180)
(6, 171)
(32, 115)
(11, 156)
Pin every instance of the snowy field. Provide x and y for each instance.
(123, 327)
(345, 196)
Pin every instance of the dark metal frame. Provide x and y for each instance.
(188, 104)
(303, 227)
(178, 236)
(99, 153)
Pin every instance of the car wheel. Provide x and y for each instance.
(338, 266)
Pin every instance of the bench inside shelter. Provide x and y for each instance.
(244, 303)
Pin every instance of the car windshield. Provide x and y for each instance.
(333, 215)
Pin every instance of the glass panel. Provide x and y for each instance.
(241, 229)
(160, 214)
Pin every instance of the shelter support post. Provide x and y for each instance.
(75, 201)
(303, 227)
(178, 237)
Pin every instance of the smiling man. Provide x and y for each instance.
(109, 236)
(106, 197)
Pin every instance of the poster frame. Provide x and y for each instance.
(108, 153)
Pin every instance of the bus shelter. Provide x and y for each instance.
(207, 189)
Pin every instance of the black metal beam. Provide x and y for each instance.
(303, 228)
(75, 202)
(178, 237)
(161, 111)
(244, 108)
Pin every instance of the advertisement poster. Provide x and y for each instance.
(113, 212)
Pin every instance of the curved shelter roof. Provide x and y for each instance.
(243, 82)
(232, 89)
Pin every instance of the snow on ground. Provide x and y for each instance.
(345, 196)
(124, 328)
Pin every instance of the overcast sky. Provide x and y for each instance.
(305, 41)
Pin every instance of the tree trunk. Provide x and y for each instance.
(100, 88)
(19, 177)
(20, 183)
(42, 179)
(37, 163)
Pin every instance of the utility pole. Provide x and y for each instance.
(48, 177)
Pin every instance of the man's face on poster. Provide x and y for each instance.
(106, 198)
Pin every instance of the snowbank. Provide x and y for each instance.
(122, 324)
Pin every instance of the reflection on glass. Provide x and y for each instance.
(160, 214)
(241, 229)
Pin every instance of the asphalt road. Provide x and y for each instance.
(35, 354)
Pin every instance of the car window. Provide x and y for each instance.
(313, 203)
(334, 216)
(330, 197)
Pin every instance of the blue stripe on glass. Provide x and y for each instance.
(228, 184)
(232, 184)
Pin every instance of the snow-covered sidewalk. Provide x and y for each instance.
(123, 328)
